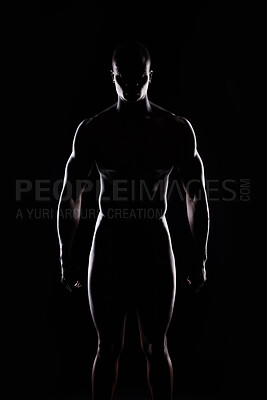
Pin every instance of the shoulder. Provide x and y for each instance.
(174, 119)
(88, 128)
(184, 132)
(104, 116)
(180, 126)
(92, 122)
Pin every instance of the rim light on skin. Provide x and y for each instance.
(131, 88)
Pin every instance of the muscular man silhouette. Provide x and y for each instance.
(134, 144)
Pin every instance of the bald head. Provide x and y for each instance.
(131, 52)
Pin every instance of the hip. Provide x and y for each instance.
(120, 243)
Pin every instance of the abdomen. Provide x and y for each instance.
(140, 196)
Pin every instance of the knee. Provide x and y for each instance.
(109, 350)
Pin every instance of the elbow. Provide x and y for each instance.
(196, 194)
(68, 209)
(197, 202)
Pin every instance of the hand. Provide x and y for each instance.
(196, 276)
(70, 275)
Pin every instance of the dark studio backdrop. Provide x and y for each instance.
(199, 57)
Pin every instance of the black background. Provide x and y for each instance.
(201, 53)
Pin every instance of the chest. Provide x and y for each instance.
(146, 145)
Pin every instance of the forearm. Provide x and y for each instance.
(198, 217)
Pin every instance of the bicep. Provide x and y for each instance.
(189, 162)
(80, 162)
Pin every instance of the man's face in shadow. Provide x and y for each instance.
(131, 77)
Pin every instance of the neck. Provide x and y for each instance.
(140, 108)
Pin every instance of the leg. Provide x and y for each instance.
(154, 313)
(108, 308)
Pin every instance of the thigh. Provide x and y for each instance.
(107, 290)
(154, 302)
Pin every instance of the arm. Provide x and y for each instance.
(192, 174)
(78, 167)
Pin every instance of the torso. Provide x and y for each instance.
(134, 158)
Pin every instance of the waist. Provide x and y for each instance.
(142, 235)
